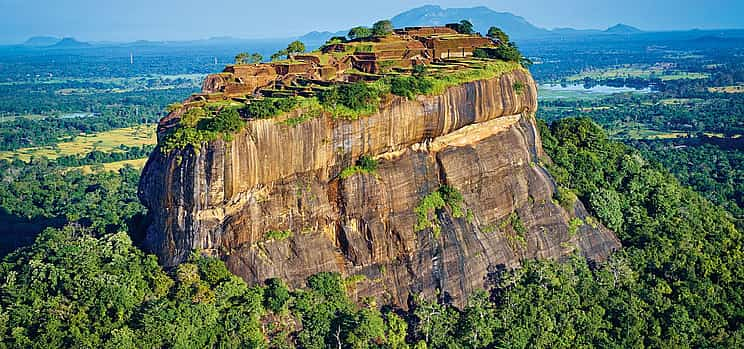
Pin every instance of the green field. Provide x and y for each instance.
(105, 141)
(727, 89)
(113, 166)
(631, 130)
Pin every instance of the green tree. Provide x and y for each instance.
(276, 295)
(608, 207)
(255, 58)
(382, 28)
(335, 40)
(498, 34)
(466, 27)
(278, 55)
(478, 322)
(365, 330)
(242, 58)
(359, 33)
(248, 58)
(295, 47)
(396, 331)
(435, 322)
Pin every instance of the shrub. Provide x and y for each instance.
(419, 70)
(452, 198)
(333, 41)
(505, 52)
(364, 165)
(173, 107)
(184, 136)
(358, 96)
(566, 198)
(573, 226)
(518, 87)
(198, 126)
(270, 107)
(518, 225)
(227, 121)
(445, 196)
(278, 235)
(192, 117)
(411, 86)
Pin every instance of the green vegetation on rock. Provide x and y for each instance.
(365, 165)
(429, 207)
(573, 226)
(566, 198)
(199, 125)
(278, 235)
(349, 101)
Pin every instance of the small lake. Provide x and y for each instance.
(76, 115)
(557, 91)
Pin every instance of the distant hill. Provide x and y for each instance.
(70, 43)
(320, 37)
(41, 41)
(623, 29)
(481, 17)
(576, 32)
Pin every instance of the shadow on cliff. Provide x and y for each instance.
(137, 229)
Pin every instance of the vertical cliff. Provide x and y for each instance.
(229, 198)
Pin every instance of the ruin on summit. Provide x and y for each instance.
(365, 59)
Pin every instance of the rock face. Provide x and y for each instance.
(479, 138)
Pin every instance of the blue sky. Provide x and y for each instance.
(127, 20)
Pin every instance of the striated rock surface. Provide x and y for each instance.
(479, 138)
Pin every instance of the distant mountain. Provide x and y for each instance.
(316, 38)
(623, 29)
(70, 43)
(576, 32)
(481, 17)
(41, 41)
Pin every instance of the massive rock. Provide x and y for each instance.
(479, 138)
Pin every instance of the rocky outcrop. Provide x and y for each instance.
(479, 138)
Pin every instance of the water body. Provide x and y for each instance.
(76, 115)
(557, 91)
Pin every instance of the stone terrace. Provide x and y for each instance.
(355, 60)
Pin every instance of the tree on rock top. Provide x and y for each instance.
(498, 34)
(463, 27)
(382, 28)
(246, 58)
(296, 47)
(359, 33)
(293, 48)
